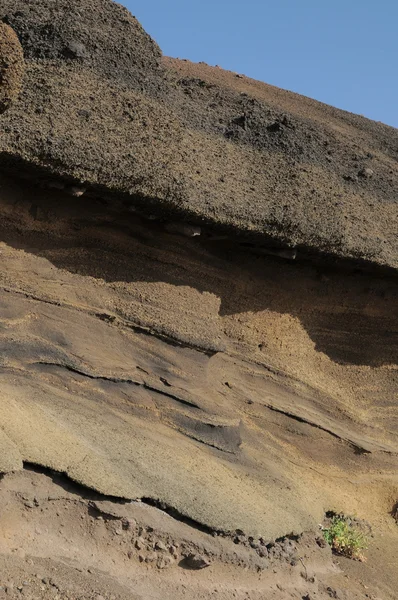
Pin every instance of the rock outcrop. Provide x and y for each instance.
(12, 67)
(198, 292)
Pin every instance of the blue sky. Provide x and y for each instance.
(342, 52)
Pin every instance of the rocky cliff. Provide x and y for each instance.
(198, 304)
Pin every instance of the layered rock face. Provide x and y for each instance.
(198, 293)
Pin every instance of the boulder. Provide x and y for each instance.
(11, 67)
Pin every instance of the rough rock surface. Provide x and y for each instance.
(209, 376)
(96, 35)
(238, 155)
(12, 67)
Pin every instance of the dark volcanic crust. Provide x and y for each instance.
(220, 149)
(320, 177)
(95, 34)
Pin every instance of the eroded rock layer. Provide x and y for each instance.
(145, 364)
(198, 295)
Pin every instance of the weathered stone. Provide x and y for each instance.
(197, 561)
(12, 67)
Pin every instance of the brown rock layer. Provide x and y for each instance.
(12, 67)
(185, 320)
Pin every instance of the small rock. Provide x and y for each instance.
(85, 114)
(151, 557)
(99, 597)
(263, 542)
(240, 539)
(75, 50)
(29, 504)
(196, 561)
(77, 191)
(366, 173)
(129, 524)
(333, 593)
(164, 562)
(262, 552)
(140, 543)
(53, 583)
(173, 551)
(160, 546)
(59, 186)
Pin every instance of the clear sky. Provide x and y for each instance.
(342, 52)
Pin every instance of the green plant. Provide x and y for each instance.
(345, 539)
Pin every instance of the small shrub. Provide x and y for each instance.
(345, 539)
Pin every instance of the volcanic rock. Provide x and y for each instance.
(198, 318)
(100, 108)
(12, 67)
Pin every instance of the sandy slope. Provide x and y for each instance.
(61, 541)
